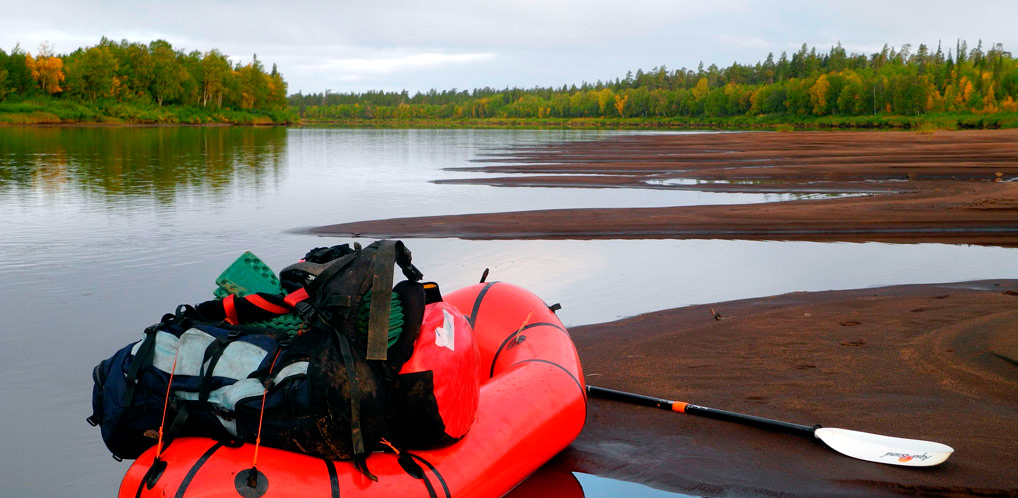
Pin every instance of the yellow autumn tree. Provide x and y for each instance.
(965, 90)
(934, 101)
(620, 104)
(990, 100)
(47, 70)
(1008, 105)
(700, 90)
(950, 94)
(756, 100)
(818, 95)
(604, 96)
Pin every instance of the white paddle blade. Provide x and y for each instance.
(884, 449)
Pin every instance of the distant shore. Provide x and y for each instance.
(950, 187)
(54, 112)
(926, 122)
(176, 116)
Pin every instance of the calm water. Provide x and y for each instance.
(102, 230)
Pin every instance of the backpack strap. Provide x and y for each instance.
(142, 359)
(326, 273)
(403, 259)
(381, 292)
(213, 353)
(356, 436)
(387, 253)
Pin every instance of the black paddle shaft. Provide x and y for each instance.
(703, 411)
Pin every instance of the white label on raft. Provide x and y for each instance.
(445, 336)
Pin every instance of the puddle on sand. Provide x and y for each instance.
(603, 487)
(552, 481)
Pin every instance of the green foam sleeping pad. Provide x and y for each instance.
(249, 275)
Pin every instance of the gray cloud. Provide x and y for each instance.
(383, 44)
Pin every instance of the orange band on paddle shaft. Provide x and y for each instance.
(679, 406)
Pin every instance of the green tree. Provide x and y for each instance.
(136, 70)
(19, 76)
(4, 88)
(254, 88)
(168, 74)
(215, 73)
(92, 74)
(276, 98)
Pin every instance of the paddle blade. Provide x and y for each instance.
(884, 449)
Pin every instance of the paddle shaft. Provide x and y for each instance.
(703, 411)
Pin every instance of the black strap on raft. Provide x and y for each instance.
(381, 289)
(356, 436)
(140, 360)
(213, 353)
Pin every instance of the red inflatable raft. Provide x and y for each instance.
(532, 405)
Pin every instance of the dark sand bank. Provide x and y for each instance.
(936, 362)
(936, 187)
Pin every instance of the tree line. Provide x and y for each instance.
(903, 81)
(137, 73)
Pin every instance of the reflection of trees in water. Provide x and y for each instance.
(156, 162)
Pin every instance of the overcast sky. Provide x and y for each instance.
(378, 44)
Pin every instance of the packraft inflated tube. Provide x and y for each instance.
(532, 405)
(434, 401)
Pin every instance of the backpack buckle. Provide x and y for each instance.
(305, 310)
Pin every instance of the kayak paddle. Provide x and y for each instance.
(861, 445)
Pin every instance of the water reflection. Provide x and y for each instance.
(135, 162)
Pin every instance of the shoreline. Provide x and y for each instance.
(883, 123)
(941, 187)
(929, 361)
(926, 122)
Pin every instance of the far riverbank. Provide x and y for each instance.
(772, 122)
(53, 112)
(49, 112)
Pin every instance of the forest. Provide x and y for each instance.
(137, 82)
(969, 87)
(131, 82)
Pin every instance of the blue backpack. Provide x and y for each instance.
(322, 394)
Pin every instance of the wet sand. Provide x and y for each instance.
(935, 187)
(935, 362)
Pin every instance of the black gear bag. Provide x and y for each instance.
(325, 391)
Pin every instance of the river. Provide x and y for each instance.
(104, 229)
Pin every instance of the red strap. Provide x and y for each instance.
(231, 310)
(295, 297)
(264, 304)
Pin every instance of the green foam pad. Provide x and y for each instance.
(247, 275)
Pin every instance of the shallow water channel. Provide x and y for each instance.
(102, 230)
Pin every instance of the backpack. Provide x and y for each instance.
(325, 391)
